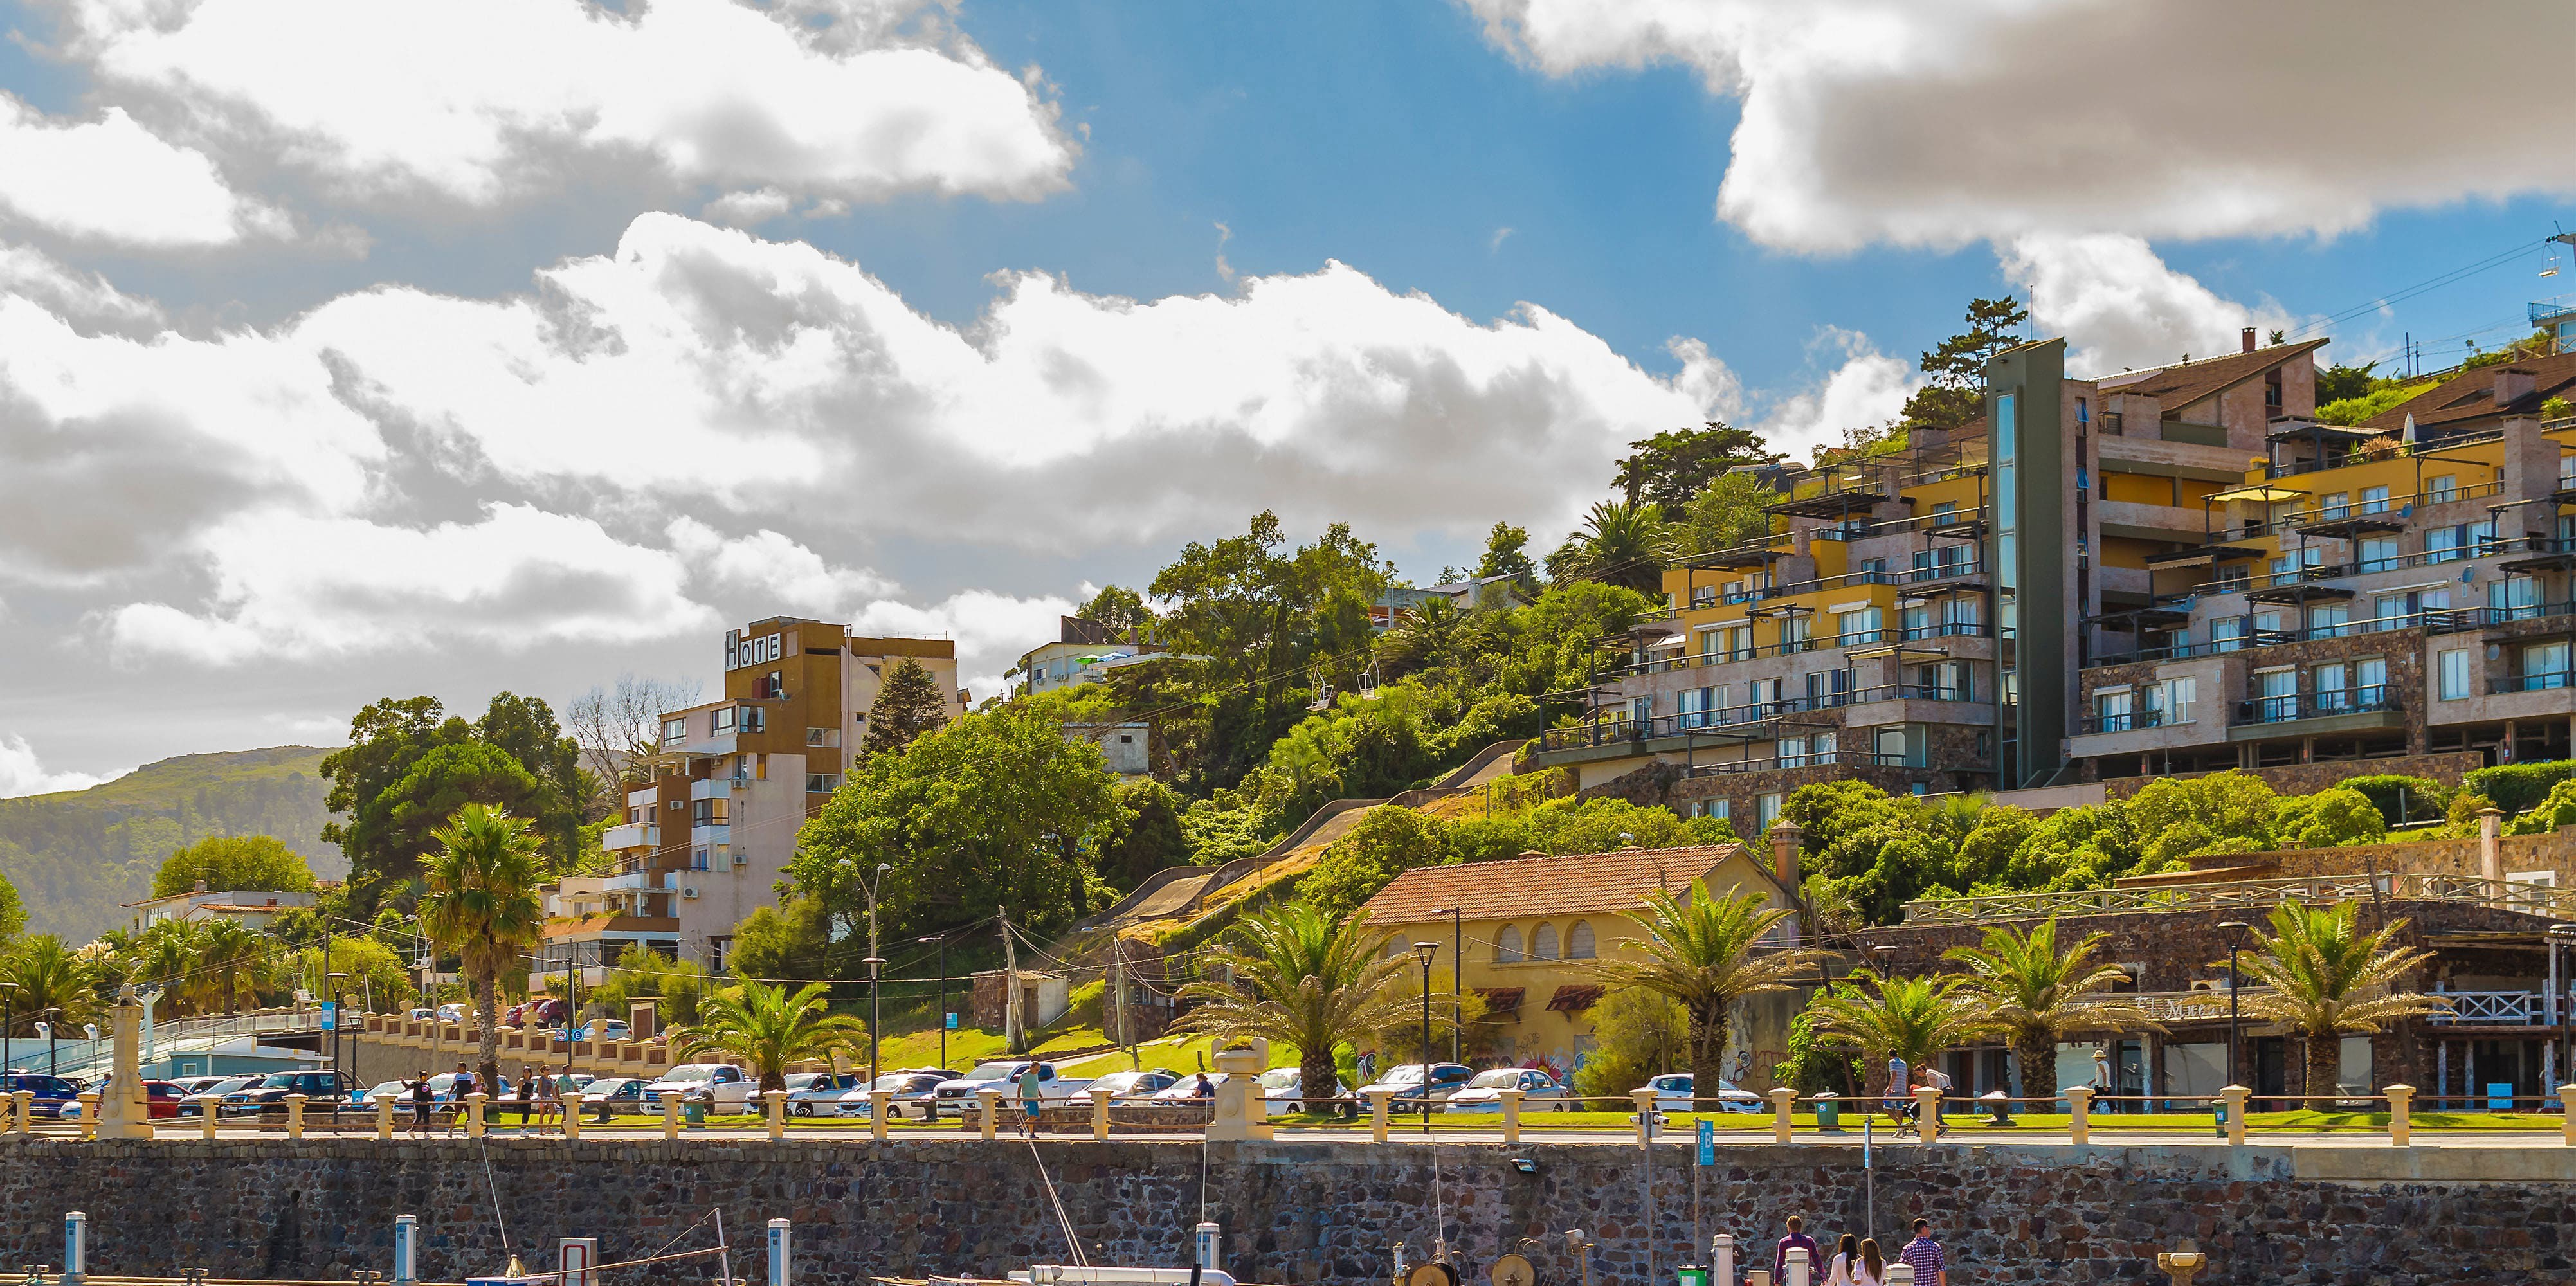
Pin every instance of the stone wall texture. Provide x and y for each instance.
(1292, 1212)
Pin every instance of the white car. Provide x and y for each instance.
(809, 1093)
(1485, 1093)
(723, 1086)
(1673, 1095)
(398, 1091)
(1282, 1088)
(1053, 1085)
(914, 1090)
(1188, 1087)
(1135, 1084)
(610, 1094)
(451, 1012)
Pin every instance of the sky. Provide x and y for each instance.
(353, 350)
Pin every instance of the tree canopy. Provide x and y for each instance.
(257, 863)
(410, 766)
(1956, 366)
(908, 704)
(1671, 467)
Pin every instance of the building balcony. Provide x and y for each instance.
(637, 881)
(721, 833)
(715, 787)
(2307, 714)
(617, 839)
(611, 925)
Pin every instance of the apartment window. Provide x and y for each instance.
(754, 719)
(2181, 695)
(2374, 500)
(2388, 612)
(822, 783)
(2276, 694)
(2513, 598)
(1766, 809)
(2454, 674)
(823, 737)
(1703, 596)
(1873, 571)
(2545, 666)
(2370, 680)
(712, 812)
(1916, 622)
(1793, 634)
(1691, 706)
(1739, 642)
(1947, 512)
(1717, 808)
(1862, 626)
(675, 805)
(1793, 752)
(2336, 505)
(2111, 710)
(1642, 709)
(2327, 681)
(675, 730)
(2379, 553)
(698, 858)
(1543, 943)
(2329, 620)
(1762, 693)
(2441, 487)
(1887, 745)
(723, 719)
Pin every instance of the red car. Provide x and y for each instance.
(162, 1099)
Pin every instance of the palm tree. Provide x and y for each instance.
(2328, 979)
(2036, 995)
(1624, 544)
(767, 1028)
(482, 904)
(232, 962)
(1910, 1018)
(1423, 636)
(1699, 953)
(48, 976)
(1300, 977)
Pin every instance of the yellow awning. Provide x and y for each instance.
(2259, 493)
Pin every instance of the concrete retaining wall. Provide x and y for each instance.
(1293, 1212)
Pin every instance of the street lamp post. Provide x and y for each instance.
(942, 940)
(53, 1014)
(2560, 935)
(8, 1023)
(2234, 985)
(1426, 950)
(875, 1016)
(1457, 984)
(339, 1006)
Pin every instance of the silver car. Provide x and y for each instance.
(1485, 1093)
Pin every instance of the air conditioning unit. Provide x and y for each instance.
(689, 891)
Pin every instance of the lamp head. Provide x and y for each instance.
(1426, 950)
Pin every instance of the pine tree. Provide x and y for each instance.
(909, 703)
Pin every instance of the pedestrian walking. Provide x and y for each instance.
(422, 1096)
(1838, 1272)
(1900, 1106)
(527, 1097)
(458, 1087)
(1939, 1080)
(1797, 1237)
(568, 1094)
(1030, 1094)
(1930, 1264)
(547, 1102)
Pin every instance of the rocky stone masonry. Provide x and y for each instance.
(1292, 1212)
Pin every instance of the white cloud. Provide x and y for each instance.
(22, 774)
(767, 567)
(991, 630)
(1866, 388)
(2120, 307)
(1870, 121)
(113, 180)
(303, 588)
(748, 209)
(84, 300)
(482, 99)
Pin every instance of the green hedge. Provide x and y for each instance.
(2424, 799)
(2517, 788)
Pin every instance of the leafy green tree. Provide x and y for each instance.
(1430, 633)
(2401, 798)
(2037, 994)
(1457, 1021)
(1302, 976)
(385, 739)
(1148, 835)
(2337, 382)
(1677, 464)
(767, 1028)
(255, 863)
(439, 784)
(2330, 818)
(2558, 809)
(524, 728)
(48, 976)
(375, 972)
(2179, 817)
(1910, 1018)
(2328, 979)
(1729, 511)
(908, 704)
(13, 913)
(482, 906)
(1699, 954)
(790, 942)
(409, 766)
(995, 809)
(1119, 608)
(1622, 544)
(1507, 554)
(1383, 844)
(1957, 365)
(1636, 1033)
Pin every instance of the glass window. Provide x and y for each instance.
(1507, 945)
(2111, 710)
(1766, 809)
(2329, 620)
(2370, 682)
(2327, 682)
(675, 729)
(2336, 505)
(2442, 487)
(1543, 943)
(1578, 941)
(2379, 553)
(2455, 674)
(2181, 694)
(2374, 500)
(2545, 666)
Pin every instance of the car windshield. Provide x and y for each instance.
(1408, 1074)
(690, 1072)
(1501, 1078)
(279, 1081)
(1279, 1078)
(993, 1071)
(802, 1080)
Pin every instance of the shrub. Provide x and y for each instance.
(2518, 788)
(2330, 819)
(2559, 809)
(2401, 799)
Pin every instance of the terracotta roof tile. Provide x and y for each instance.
(2175, 387)
(1571, 884)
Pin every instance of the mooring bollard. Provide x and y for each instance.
(295, 1116)
(89, 1115)
(1511, 1114)
(2401, 1115)
(1800, 1271)
(1100, 1115)
(1927, 1113)
(75, 1250)
(474, 1114)
(1377, 1114)
(2079, 1113)
(670, 1116)
(1784, 1100)
(880, 1106)
(207, 1114)
(384, 1118)
(406, 1250)
(781, 1251)
(992, 1114)
(1721, 1259)
(777, 1100)
(2235, 1096)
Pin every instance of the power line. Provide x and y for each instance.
(2429, 284)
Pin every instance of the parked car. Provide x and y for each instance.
(915, 1091)
(1411, 1093)
(809, 1093)
(55, 1097)
(1133, 1085)
(324, 1092)
(1673, 1094)
(162, 1100)
(1053, 1084)
(722, 1086)
(1282, 1088)
(611, 1094)
(452, 1012)
(1539, 1091)
(398, 1091)
(197, 1084)
(442, 1088)
(423, 1012)
(1190, 1085)
(595, 1029)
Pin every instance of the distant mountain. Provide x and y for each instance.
(76, 855)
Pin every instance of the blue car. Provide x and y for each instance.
(54, 1096)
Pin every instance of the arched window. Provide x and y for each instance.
(1507, 944)
(1578, 941)
(1543, 943)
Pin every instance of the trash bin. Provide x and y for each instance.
(1829, 1113)
(695, 1112)
(2218, 1114)
(1690, 1275)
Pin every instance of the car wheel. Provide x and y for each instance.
(802, 1109)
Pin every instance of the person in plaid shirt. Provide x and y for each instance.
(1924, 1255)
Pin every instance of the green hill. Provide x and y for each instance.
(76, 855)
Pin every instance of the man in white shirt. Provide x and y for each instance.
(1939, 1080)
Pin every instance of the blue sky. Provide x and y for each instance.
(367, 329)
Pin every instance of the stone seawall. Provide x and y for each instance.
(1292, 1212)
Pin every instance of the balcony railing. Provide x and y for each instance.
(2316, 705)
(2450, 620)
(2544, 682)
(1821, 759)
(2125, 721)
(2246, 895)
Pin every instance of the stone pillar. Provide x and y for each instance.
(295, 1116)
(208, 1117)
(2079, 1113)
(89, 1115)
(1241, 1112)
(1511, 1114)
(777, 1101)
(880, 1106)
(991, 1118)
(1645, 1100)
(572, 1118)
(1099, 1114)
(2235, 1096)
(127, 1112)
(1927, 1113)
(23, 1107)
(2491, 846)
(474, 1113)
(384, 1117)
(1377, 1114)
(670, 1116)
(1783, 1101)
(1785, 836)
(2401, 1123)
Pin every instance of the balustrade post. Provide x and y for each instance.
(777, 1100)
(1927, 1113)
(990, 1123)
(1377, 1114)
(880, 1106)
(1783, 1101)
(2567, 1099)
(23, 1108)
(384, 1117)
(2401, 1122)
(670, 1116)
(2079, 1113)
(89, 1115)
(2235, 1096)
(1511, 1114)
(1100, 1114)
(1645, 1100)
(295, 1116)
(474, 1113)
(208, 1117)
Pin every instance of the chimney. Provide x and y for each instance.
(1784, 852)
(2249, 339)
(2491, 844)
(2513, 382)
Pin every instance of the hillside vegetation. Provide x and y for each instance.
(75, 856)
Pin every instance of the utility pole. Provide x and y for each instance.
(1012, 1032)
(1118, 985)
